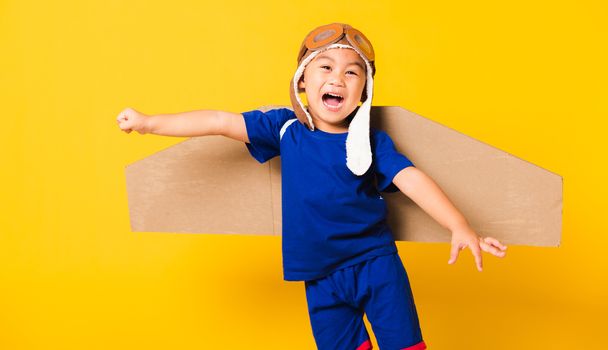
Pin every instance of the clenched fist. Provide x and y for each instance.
(131, 120)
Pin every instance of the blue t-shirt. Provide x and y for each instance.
(332, 218)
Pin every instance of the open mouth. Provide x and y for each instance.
(332, 101)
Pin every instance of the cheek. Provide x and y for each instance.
(363, 85)
(312, 79)
(360, 87)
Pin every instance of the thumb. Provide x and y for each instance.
(453, 254)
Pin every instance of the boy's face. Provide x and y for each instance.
(340, 72)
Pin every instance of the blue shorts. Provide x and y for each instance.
(378, 287)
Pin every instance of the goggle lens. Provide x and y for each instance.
(357, 39)
(324, 35)
(332, 33)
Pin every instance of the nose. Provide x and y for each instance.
(336, 79)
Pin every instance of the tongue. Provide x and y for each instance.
(332, 101)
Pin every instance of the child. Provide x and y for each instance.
(335, 236)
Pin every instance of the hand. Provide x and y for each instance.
(130, 119)
(465, 237)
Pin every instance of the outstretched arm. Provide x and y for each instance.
(427, 195)
(185, 124)
(200, 123)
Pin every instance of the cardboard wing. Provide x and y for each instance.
(211, 184)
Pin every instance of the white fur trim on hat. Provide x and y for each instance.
(358, 148)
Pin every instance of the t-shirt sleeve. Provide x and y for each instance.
(263, 130)
(387, 162)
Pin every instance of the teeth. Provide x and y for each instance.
(335, 95)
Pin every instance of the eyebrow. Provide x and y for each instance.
(331, 59)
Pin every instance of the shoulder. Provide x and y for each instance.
(381, 141)
(377, 132)
(284, 117)
(274, 118)
(281, 113)
(281, 116)
(379, 136)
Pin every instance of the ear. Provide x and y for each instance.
(301, 83)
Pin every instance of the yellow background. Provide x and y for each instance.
(526, 77)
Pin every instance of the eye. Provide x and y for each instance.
(350, 71)
(325, 67)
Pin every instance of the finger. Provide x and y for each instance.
(125, 124)
(491, 249)
(495, 242)
(477, 254)
(454, 253)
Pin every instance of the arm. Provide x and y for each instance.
(426, 193)
(198, 123)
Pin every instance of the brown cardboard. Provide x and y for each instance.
(211, 184)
